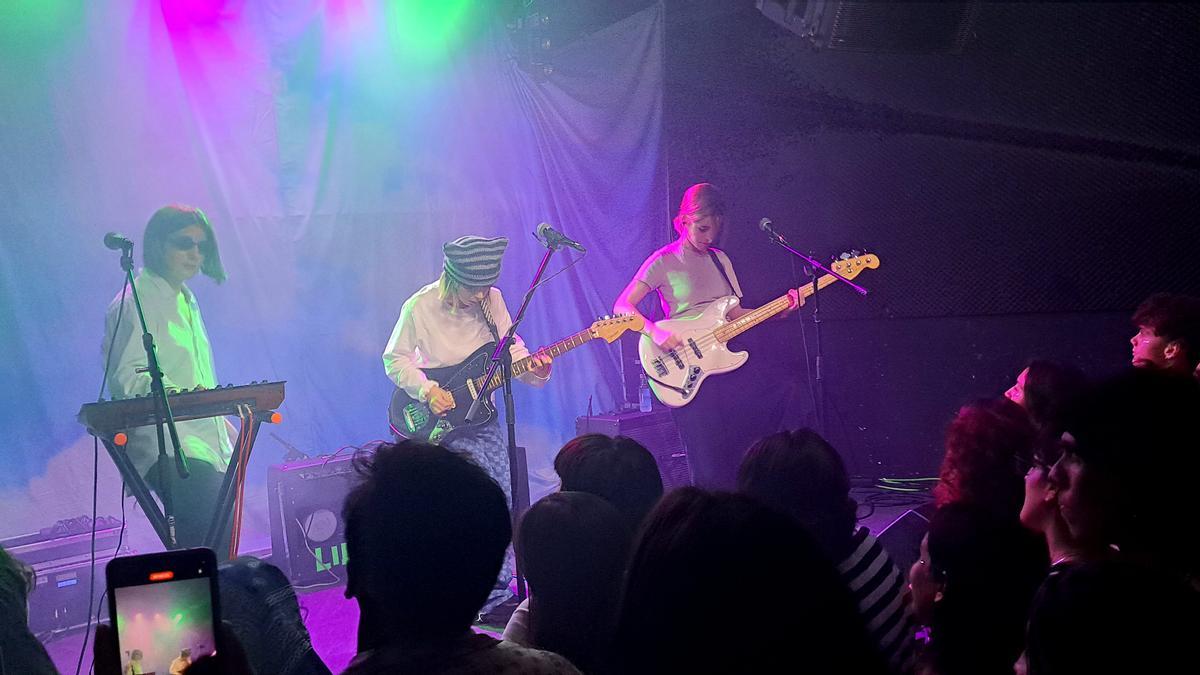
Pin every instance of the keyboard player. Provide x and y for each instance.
(178, 244)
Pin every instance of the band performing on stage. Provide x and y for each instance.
(614, 337)
(437, 357)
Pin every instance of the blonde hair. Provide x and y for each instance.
(699, 200)
(447, 288)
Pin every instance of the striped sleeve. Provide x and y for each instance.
(878, 588)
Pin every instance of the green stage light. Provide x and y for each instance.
(429, 30)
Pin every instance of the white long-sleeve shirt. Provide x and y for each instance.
(430, 334)
(185, 356)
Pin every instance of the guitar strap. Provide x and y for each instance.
(485, 307)
(721, 269)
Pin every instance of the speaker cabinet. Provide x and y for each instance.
(887, 27)
(656, 430)
(308, 536)
(902, 537)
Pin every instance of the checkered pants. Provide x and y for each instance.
(487, 446)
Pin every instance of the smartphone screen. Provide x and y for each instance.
(164, 607)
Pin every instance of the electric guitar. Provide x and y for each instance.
(415, 420)
(676, 375)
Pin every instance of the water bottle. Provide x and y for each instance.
(644, 402)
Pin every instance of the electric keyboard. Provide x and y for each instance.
(104, 418)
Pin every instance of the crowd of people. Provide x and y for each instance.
(1059, 545)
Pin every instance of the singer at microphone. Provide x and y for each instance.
(689, 277)
(442, 326)
(178, 245)
(552, 238)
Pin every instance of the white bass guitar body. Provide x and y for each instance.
(675, 376)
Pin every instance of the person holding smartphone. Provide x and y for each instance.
(178, 244)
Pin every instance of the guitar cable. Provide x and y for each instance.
(96, 485)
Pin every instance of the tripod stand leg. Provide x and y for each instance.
(141, 492)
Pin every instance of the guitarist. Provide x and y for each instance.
(688, 274)
(441, 325)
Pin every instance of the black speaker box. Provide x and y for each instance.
(656, 430)
(902, 537)
(308, 537)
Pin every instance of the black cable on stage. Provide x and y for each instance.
(95, 487)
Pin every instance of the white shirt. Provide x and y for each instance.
(431, 334)
(686, 280)
(184, 355)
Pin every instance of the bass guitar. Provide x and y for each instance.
(412, 419)
(675, 375)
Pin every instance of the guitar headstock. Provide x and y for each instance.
(610, 328)
(851, 263)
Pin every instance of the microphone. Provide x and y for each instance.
(117, 242)
(552, 238)
(765, 226)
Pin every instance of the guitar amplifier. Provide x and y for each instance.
(656, 430)
(308, 536)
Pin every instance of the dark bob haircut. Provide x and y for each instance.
(167, 221)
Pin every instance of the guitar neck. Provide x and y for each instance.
(526, 364)
(778, 305)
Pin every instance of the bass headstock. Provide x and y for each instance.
(609, 328)
(849, 264)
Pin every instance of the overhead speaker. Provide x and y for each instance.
(893, 27)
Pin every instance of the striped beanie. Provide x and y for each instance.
(474, 261)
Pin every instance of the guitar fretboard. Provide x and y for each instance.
(526, 364)
(735, 328)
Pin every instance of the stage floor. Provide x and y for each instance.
(332, 619)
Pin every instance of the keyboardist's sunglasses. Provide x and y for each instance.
(187, 244)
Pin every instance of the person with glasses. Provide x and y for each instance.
(178, 244)
(1042, 514)
(1126, 478)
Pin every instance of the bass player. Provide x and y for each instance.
(688, 274)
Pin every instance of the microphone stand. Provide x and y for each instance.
(502, 361)
(813, 267)
(162, 407)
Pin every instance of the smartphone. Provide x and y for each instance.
(165, 609)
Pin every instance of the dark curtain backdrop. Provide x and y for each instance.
(335, 146)
(1023, 197)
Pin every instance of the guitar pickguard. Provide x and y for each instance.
(416, 416)
(439, 430)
